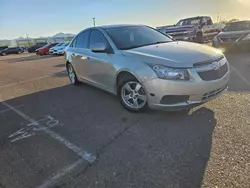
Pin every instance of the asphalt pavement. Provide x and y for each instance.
(53, 134)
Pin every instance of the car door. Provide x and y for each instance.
(208, 28)
(10, 51)
(100, 69)
(79, 53)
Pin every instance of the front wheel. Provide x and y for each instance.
(199, 38)
(72, 75)
(132, 94)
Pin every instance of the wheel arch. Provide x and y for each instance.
(123, 72)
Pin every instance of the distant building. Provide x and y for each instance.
(60, 37)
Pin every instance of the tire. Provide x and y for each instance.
(131, 94)
(198, 38)
(4, 54)
(72, 75)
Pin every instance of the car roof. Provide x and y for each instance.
(240, 21)
(115, 26)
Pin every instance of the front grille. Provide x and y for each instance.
(173, 99)
(214, 74)
(204, 63)
(213, 93)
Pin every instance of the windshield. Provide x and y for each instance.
(136, 36)
(237, 26)
(60, 44)
(190, 21)
(66, 44)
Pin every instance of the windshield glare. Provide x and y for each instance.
(237, 26)
(136, 36)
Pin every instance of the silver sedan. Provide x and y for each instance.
(146, 68)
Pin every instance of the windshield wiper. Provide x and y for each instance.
(160, 42)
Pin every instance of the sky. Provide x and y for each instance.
(48, 17)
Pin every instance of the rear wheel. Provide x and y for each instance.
(132, 94)
(3, 53)
(72, 75)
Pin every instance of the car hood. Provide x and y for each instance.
(179, 28)
(174, 54)
(233, 33)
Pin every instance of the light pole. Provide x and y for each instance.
(93, 21)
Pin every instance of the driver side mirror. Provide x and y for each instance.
(99, 48)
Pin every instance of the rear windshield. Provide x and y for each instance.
(190, 21)
(237, 26)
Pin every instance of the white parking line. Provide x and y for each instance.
(6, 110)
(28, 80)
(54, 179)
(240, 75)
(79, 151)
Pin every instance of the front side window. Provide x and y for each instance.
(73, 44)
(96, 37)
(82, 39)
(136, 36)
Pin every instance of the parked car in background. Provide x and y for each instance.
(56, 46)
(12, 50)
(144, 67)
(197, 29)
(34, 47)
(3, 48)
(45, 49)
(60, 50)
(235, 34)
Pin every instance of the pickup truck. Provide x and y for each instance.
(196, 29)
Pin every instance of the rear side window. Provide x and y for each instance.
(96, 37)
(82, 40)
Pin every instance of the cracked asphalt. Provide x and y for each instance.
(209, 147)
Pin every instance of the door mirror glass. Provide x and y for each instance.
(99, 48)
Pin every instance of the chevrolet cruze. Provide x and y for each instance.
(146, 68)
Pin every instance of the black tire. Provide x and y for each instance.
(73, 81)
(199, 38)
(121, 83)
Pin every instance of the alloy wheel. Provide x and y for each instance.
(133, 95)
(71, 73)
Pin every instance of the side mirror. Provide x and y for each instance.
(99, 48)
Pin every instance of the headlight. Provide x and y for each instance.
(170, 73)
(247, 37)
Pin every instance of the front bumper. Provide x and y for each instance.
(185, 38)
(191, 93)
(58, 53)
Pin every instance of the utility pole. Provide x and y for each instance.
(93, 21)
(28, 39)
